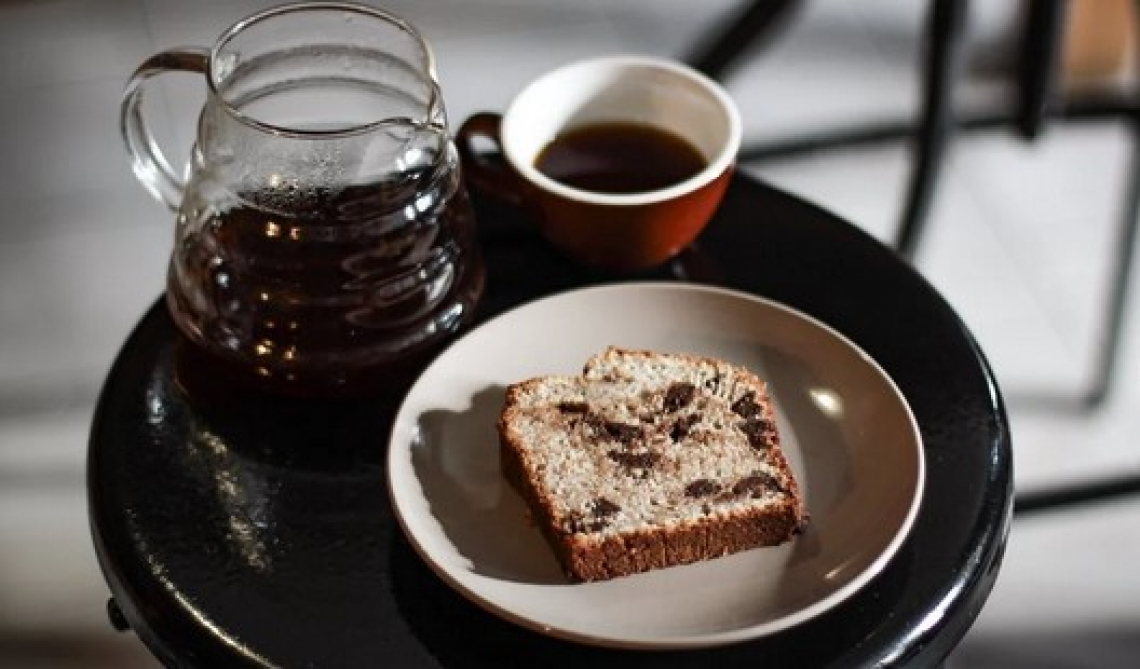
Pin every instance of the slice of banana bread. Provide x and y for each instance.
(649, 460)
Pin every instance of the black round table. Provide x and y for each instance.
(258, 531)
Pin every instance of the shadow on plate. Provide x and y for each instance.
(456, 459)
(822, 464)
(819, 463)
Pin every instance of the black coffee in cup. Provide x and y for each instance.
(619, 158)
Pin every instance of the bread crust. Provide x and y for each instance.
(709, 537)
(588, 555)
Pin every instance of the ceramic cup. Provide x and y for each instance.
(625, 231)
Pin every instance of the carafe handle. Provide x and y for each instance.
(147, 160)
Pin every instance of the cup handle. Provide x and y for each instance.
(149, 164)
(494, 177)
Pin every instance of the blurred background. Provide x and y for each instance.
(1019, 241)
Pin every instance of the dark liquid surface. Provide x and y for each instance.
(619, 158)
(332, 294)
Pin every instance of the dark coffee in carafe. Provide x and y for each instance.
(314, 293)
(323, 237)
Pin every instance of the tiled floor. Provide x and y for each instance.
(1019, 240)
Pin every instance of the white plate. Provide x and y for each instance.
(849, 436)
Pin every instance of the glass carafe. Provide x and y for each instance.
(323, 233)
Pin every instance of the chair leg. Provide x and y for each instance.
(1038, 64)
(943, 65)
(1125, 249)
(1104, 490)
(758, 20)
